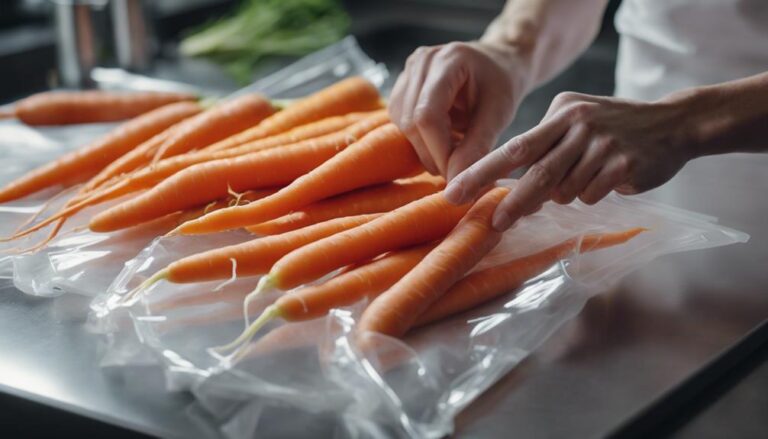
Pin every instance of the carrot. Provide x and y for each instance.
(380, 198)
(84, 163)
(233, 200)
(221, 121)
(484, 285)
(423, 220)
(129, 161)
(302, 132)
(382, 155)
(318, 149)
(394, 312)
(346, 96)
(63, 108)
(150, 176)
(253, 257)
(245, 111)
(205, 182)
(366, 281)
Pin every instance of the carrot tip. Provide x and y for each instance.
(266, 283)
(227, 350)
(155, 278)
(174, 232)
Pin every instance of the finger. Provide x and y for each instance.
(542, 177)
(471, 149)
(432, 112)
(397, 96)
(484, 130)
(395, 104)
(566, 98)
(419, 70)
(585, 170)
(519, 151)
(613, 174)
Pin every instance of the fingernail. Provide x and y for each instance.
(454, 192)
(501, 221)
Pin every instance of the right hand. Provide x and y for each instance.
(452, 102)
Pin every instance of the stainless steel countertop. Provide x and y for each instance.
(663, 323)
(626, 349)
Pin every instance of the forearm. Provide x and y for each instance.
(723, 118)
(548, 34)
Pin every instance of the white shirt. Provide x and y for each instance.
(669, 45)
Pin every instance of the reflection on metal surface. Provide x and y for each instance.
(28, 378)
(131, 30)
(66, 261)
(662, 323)
(77, 41)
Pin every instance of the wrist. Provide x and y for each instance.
(697, 128)
(515, 62)
(515, 38)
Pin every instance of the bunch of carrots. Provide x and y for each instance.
(328, 185)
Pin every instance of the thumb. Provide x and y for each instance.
(477, 142)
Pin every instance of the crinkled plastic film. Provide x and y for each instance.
(412, 387)
(315, 373)
(81, 262)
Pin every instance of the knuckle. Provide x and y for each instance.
(516, 149)
(456, 47)
(407, 125)
(604, 145)
(587, 198)
(584, 127)
(580, 112)
(564, 193)
(541, 176)
(423, 117)
(624, 165)
(416, 54)
(564, 98)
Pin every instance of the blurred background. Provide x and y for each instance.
(221, 45)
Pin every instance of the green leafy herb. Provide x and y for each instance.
(262, 28)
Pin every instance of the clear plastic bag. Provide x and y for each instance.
(411, 387)
(82, 262)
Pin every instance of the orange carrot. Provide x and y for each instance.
(223, 120)
(382, 155)
(366, 281)
(302, 132)
(208, 181)
(146, 153)
(394, 312)
(84, 163)
(232, 200)
(484, 285)
(129, 161)
(253, 257)
(62, 108)
(423, 220)
(150, 176)
(346, 96)
(380, 198)
(310, 153)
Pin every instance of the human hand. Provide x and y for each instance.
(452, 101)
(586, 146)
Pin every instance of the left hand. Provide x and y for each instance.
(585, 147)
